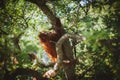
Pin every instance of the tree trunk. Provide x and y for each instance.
(69, 69)
(66, 54)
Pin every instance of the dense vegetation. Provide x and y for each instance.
(97, 20)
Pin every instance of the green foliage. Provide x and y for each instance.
(98, 21)
(18, 34)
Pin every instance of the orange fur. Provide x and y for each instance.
(48, 40)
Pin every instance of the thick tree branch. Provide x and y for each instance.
(59, 50)
(61, 61)
(42, 5)
(55, 21)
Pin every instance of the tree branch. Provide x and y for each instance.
(16, 40)
(42, 5)
(59, 50)
(55, 21)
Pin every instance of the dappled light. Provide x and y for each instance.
(59, 40)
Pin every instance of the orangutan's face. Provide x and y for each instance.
(44, 36)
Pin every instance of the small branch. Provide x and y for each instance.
(16, 40)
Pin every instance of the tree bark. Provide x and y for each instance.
(42, 5)
(68, 68)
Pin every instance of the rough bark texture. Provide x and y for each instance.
(69, 69)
